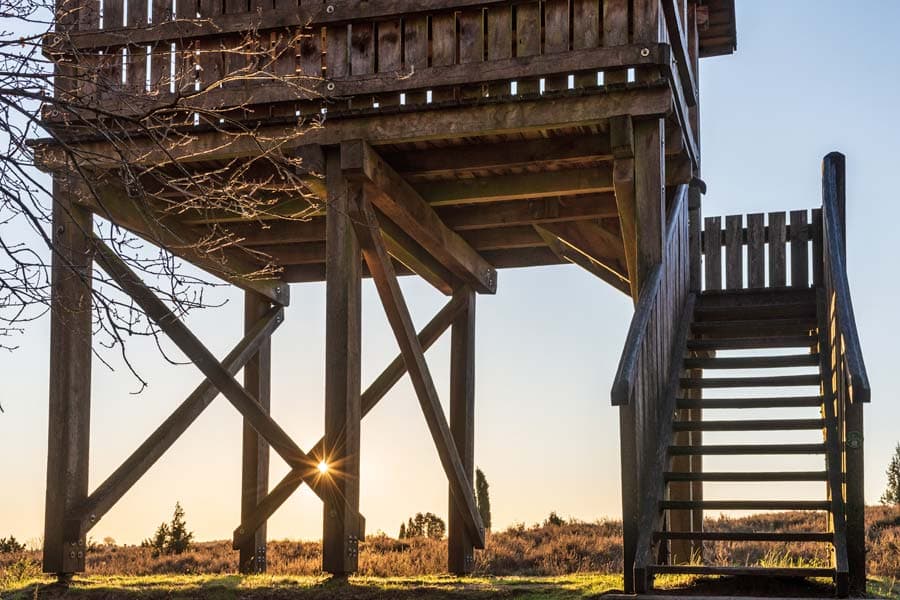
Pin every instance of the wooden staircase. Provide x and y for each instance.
(743, 351)
(753, 323)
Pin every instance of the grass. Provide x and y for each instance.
(549, 561)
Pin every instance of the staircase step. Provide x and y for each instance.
(751, 425)
(753, 362)
(742, 571)
(754, 328)
(763, 311)
(737, 476)
(748, 449)
(745, 504)
(744, 536)
(776, 402)
(738, 343)
(771, 381)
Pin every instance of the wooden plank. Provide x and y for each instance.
(818, 263)
(255, 451)
(366, 223)
(695, 238)
(499, 43)
(528, 41)
(610, 273)
(136, 70)
(799, 249)
(615, 33)
(556, 38)
(586, 33)
(460, 549)
(69, 417)
(340, 545)
(105, 496)
(443, 51)
(713, 253)
(114, 13)
(390, 57)
(415, 52)
(650, 200)
(756, 256)
(379, 387)
(403, 205)
(362, 58)
(471, 47)
(337, 56)
(777, 272)
(734, 253)
(410, 254)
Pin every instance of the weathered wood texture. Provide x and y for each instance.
(70, 381)
(643, 373)
(849, 378)
(371, 53)
(754, 255)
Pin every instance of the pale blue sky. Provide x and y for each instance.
(809, 77)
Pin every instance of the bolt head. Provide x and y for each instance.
(330, 9)
(645, 52)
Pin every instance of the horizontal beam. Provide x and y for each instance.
(102, 499)
(497, 117)
(400, 203)
(377, 390)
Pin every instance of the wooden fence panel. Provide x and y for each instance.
(734, 252)
(756, 250)
(799, 249)
(471, 45)
(713, 249)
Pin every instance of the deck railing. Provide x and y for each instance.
(647, 369)
(363, 54)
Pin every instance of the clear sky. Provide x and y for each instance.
(810, 76)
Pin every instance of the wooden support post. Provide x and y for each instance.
(649, 191)
(70, 382)
(340, 538)
(255, 458)
(461, 550)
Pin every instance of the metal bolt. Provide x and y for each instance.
(71, 555)
(80, 554)
(330, 9)
(93, 518)
(330, 86)
(645, 52)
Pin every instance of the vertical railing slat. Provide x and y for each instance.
(390, 59)
(556, 38)
(756, 250)
(712, 248)
(615, 33)
(734, 252)
(777, 241)
(528, 41)
(415, 51)
(499, 43)
(443, 50)
(799, 249)
(585, 35)
(471, 45)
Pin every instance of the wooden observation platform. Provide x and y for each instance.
(439, 138)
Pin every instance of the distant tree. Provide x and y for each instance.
(435, 528)
(179, 536)
(410, 528)
(170, 538)
(109, 541)
(554, 519)
(10, 545)
(402, 535)
(892, 493)
(483, 498)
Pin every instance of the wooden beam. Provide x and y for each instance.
(187, 342)
(403, 205)
(485, 119)
(368, 400)
(650, 201)
(523, 186)
(461, 554)
(110, 200)
(568, 253)
(68, 442)
(366, 224)
(410, 253)
(255, 451)
(105, 496)
(340, 538)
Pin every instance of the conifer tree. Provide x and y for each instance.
(179, 536)
(402, 535)
(483, 498)
(892, 493)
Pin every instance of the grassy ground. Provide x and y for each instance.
(227, 587)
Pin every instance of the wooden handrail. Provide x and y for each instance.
(627, 371)
(833, 178)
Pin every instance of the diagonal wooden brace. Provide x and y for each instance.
(135, 466)
(187, 342)
(369, 234)
(373, 394)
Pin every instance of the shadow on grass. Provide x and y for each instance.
(228, 587)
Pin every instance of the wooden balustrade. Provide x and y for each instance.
(753, 254)
(648, 368)
(360, 54)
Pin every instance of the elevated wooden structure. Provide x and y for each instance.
(441, 138)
